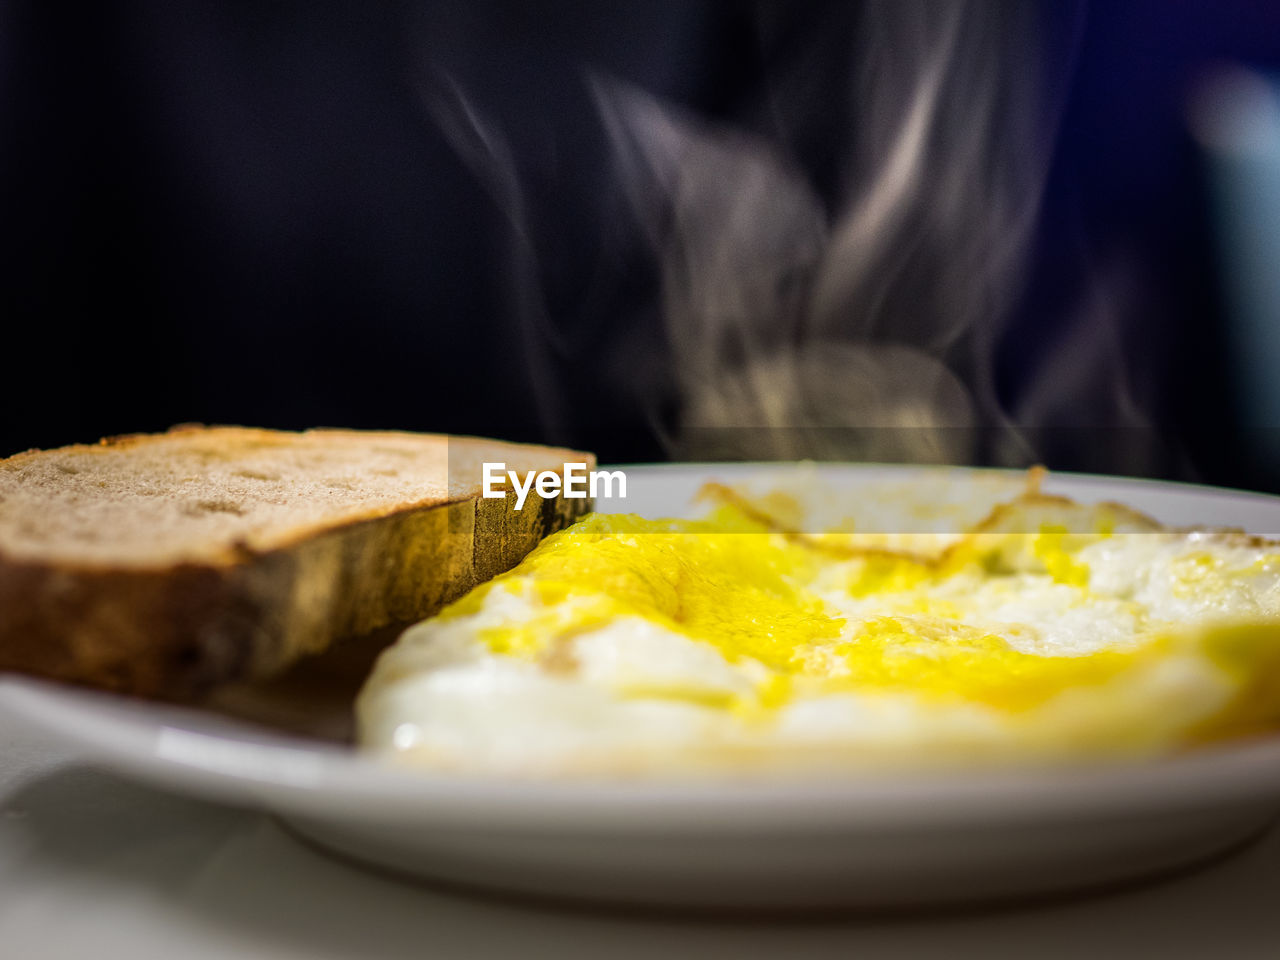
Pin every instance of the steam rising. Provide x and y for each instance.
(865, 331)
(861, 323)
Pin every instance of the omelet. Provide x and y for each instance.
(791, 632)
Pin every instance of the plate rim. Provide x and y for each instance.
(291, 775)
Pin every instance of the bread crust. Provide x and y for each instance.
(176, 632)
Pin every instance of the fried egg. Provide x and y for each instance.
(763, 638)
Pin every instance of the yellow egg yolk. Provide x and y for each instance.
(748, 595)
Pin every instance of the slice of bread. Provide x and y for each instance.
(164, 565)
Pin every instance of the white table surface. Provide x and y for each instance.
(92, 866)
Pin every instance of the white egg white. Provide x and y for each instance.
(631, 696)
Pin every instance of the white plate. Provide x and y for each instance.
(848, 842)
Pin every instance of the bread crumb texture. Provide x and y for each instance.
(211, 494)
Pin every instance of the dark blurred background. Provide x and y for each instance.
(246, 212)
